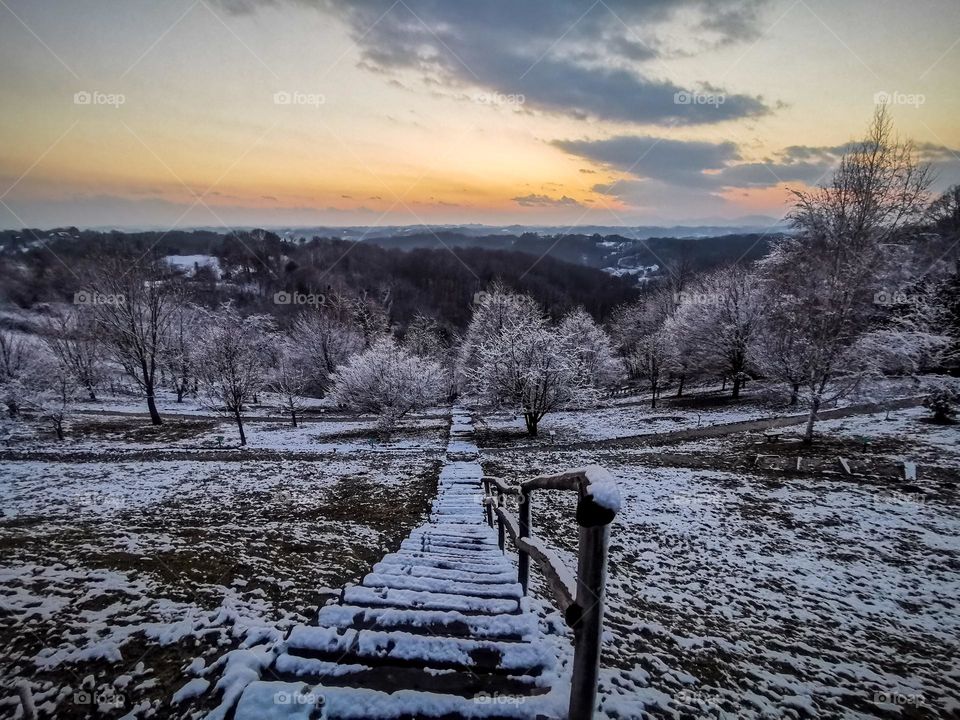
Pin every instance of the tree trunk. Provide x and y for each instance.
(814, 407)
(736, 386)
(239, 417)
(653, 394)
(531, 420)
(92, 393)
(152, 407)
(58, 427)
(724, 383)
(293, 415)
(680, 386)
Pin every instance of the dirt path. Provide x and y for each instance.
(723, 429)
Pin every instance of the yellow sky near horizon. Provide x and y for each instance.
(200, 113)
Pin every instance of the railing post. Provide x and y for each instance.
(523, 564)
(588, 628)
(487, 501)
(500, 529)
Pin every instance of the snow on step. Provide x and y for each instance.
(434, 631)
(422, 650)
(385, 597)
(428, 571)
(455, 623)
(261, 701)
(404, 582)
(429, 560)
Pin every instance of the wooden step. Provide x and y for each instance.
(271, 700)
(402, 649)
(385, 597)
(432, 622)
(387, 678)
(405, 582)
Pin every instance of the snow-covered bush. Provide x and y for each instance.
(389, 381)
(942, 402)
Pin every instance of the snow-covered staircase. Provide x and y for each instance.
(439, 629)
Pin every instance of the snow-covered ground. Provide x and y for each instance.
(701, 406)
(734, 594)
(117, 575)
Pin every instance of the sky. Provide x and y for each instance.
(278, 113)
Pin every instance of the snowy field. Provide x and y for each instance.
(632, 415)
(117, 574)
(132, 554)
(773, 595)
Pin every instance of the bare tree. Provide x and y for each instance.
(17, 350)
(52, 388)
(822, 280)
(326, 337)
(134, 308)
(290, 379)
(71, 334)
(180, 348)
(233, 357)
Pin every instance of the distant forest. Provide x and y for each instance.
(433, 274)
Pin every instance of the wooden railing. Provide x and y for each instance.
(579, 598)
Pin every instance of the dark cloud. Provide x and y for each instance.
(570, 57)
(680, 162)
(534, 200)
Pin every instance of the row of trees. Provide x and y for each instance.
(865, 285)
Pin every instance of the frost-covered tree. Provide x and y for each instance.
(180, 349)
(71, 335)
(389, 381)
(728, 322)
(134, 307)
(821, 280)
(325, 337)
(651, 359)
(290, 379)
(233, 358)
(633, 326)
(512, 358)
(17, 353)
(424, 339)
(52, 387)
(591, 349)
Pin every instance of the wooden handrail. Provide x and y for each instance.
(580, 599)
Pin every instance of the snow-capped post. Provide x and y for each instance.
(487, 501)
(599, 503)
(523, 564)
(580, 599)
